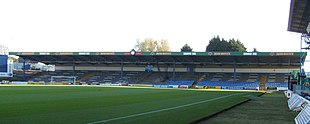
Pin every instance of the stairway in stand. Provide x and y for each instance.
(263, 82)
(198, 80)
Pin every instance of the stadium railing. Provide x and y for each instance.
(304, 116)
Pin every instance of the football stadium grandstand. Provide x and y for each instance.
(220, 70)
(239, 72)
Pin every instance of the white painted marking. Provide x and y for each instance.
(161, 110)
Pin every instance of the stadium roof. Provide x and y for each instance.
(299, 17)
(92, 58)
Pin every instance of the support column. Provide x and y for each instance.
(24, 69)
(122, 69)
(173, 74)
(73, 68)
(300, 59)
(235, 70)
(158, 68)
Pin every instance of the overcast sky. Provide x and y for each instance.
(115, 25)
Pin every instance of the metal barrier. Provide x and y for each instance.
(294, 102)
(304, 116)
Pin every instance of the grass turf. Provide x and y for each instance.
(61, 104)
(270, 108)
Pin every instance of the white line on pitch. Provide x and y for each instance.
(161, 110)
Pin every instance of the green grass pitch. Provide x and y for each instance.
(83, 104)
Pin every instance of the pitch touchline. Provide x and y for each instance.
(161, 110)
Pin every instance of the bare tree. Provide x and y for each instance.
(163, 46)
(151, 45)
(4, 50)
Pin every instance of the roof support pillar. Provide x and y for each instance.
(235, 66)
(173, 74)
(157, 64)
(122, 69)
(300, 58)
(24, 69)
(73, 67)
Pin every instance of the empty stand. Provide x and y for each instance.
(217, 77)
(243, 80)
(253, 77)
(272, 78)
(277, 80)
(232, 77)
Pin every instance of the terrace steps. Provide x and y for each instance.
(198, 80)
(145, 76)
(262, 84)
(87, 76)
